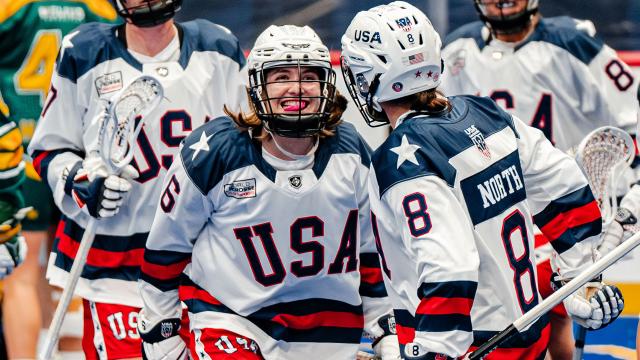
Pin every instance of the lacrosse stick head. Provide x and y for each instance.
(604, 154)
(124, 119)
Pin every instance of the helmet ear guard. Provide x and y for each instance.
(150, 12)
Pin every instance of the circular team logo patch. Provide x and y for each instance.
(397, 87)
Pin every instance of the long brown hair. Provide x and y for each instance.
(431, 101)
(251, 121)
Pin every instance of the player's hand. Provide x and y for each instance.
(615, 234)
(160, 340)
(95, 191)
(12, 254)
(595, 305)
(387, 348)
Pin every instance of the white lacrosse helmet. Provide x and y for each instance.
(291, 46)
(389, 52)
(506, 24)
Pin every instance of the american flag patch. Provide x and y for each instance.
(414, 59)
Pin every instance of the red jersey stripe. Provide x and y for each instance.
(323, 318)
(444, 306)
(570, 219)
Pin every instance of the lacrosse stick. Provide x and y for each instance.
(542, 308)
(118, 130)
(603, 155)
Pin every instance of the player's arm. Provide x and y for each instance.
(57, 144)
(180, 217)
(568, 215)
(437, 232)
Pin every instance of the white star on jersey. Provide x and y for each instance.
(202, 144)
(405, 152)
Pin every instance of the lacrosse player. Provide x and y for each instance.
(199, 65)
(554, 75)
(271, 209)
(455, 191)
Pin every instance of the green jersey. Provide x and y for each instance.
(31, 33)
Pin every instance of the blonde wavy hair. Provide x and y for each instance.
(251, 121)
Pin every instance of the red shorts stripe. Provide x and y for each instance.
(444, 306)
(98, 257)
(324, 318)
(111, 329)
(222, 344)
(370, 275)
(186, 292)
(573, 218)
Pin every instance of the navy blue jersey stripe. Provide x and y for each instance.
(576, 234)
(127, 273)
(164, 257)
(371, 260)
(564, 204)
(376, 290)
(444, 322)
(105, 242)
(278, 331)
(448, 289)
(161, 284)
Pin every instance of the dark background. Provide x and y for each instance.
(617, 21)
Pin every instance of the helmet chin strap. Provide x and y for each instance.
(292, 155)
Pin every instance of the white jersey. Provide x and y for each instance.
(455, 198)
(283, 257)
(93, 65)
(560, 79)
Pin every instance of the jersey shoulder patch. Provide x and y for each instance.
(469, 31)
(87, 46)
(215, 149)
(565, 33)
(202, 35)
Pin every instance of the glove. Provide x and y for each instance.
(160, 340)
(615, 233)
(96, 192)
(595, 305)
(12, 254)
(387, 347)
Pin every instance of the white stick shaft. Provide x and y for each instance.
(69, 288)
(587, 275)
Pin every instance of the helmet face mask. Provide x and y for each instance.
(506, 16)
(148, 13)
(291, 82)
(389, 52)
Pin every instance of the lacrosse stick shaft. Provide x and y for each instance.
(580, 340)
(569, 288)
(67, 293)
